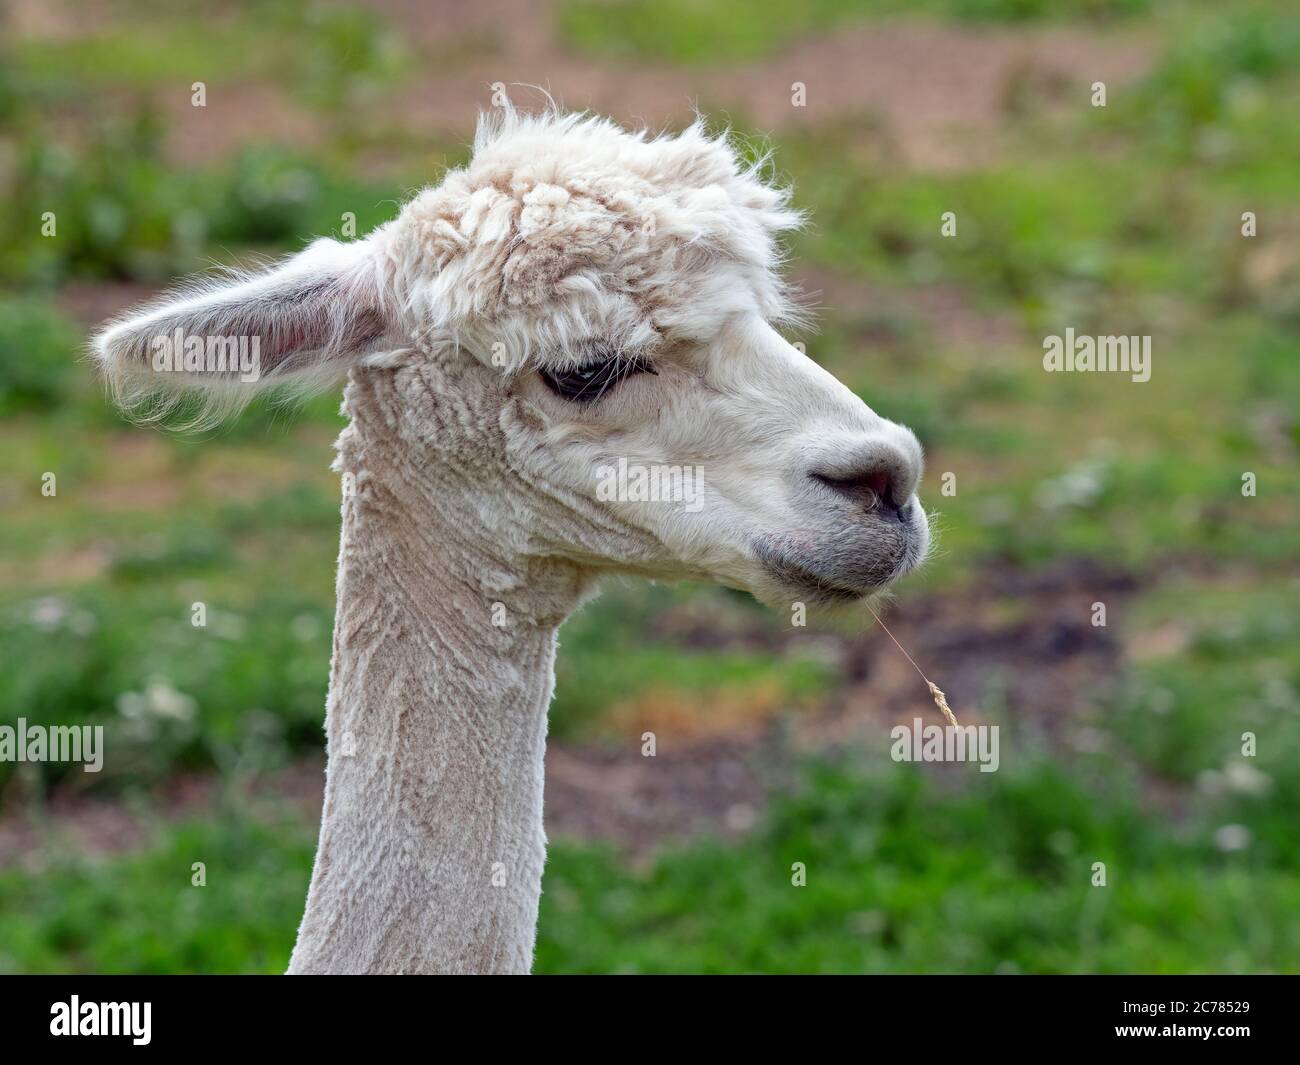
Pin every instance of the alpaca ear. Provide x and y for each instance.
(306, 321)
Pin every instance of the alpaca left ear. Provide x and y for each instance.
(308, 320)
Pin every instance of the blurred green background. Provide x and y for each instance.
(1120, 744)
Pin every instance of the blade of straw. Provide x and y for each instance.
(940, 700)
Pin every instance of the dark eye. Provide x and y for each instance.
(588, 382)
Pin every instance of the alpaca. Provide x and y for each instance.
(575, 298)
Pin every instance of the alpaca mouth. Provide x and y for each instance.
(838, 576)
(812, 584)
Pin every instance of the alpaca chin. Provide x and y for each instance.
(845, 570)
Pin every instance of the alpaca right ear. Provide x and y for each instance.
(305, 321)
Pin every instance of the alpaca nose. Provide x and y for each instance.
(882, 479)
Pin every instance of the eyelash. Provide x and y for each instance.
(593, 379)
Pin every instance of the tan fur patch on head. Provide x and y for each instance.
(564, 228)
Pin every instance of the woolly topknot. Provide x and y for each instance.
(561, 231)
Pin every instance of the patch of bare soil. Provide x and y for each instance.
(617, 795)
(59, 21)
(939, 93)
(591, 793)
(1016, 643)
(62, 568)
(91, 302)
(235, 116)
(75, 824)
(146, 478)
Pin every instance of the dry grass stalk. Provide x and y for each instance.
(940, 700)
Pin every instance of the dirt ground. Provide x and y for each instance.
(935, 93)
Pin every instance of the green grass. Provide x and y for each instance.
(249, 688)
(326, 53)
(36, 355)
(120, 210)
(902, 875)
(142, 913)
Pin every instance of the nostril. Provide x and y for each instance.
(877, 474)
(872, 490)
(878, 482)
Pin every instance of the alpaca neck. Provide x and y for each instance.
(431, 844)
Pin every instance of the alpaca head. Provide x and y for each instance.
(583, 318)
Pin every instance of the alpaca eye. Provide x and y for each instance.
(588, 382)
